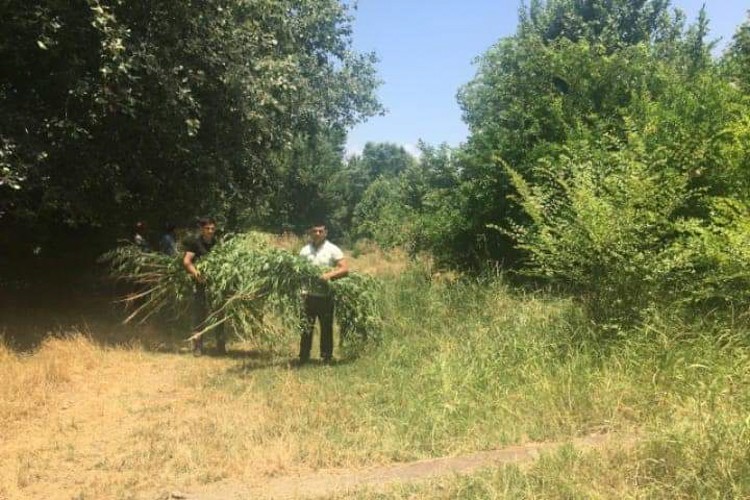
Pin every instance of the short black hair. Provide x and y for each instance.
(206, 220)
(318, 223)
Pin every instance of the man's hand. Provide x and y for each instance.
(341, 270)
(187, 261)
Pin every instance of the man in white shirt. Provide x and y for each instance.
(318, 301)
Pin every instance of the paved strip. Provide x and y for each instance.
(330, 482)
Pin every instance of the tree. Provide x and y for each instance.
(310, 174)
(737, 57)
(613, 155)
(112, 109)
(346, 187)
(575, 70)
(384, 159)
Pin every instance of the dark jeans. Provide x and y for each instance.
(320, 308)
(200, 315)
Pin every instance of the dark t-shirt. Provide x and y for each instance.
(199, 247)
(168, 244)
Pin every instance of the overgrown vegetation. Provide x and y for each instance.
(463, 366)
(607, 155)
(608, 159)
(251, 286)
(114, 111)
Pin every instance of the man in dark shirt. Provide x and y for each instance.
(195, 248)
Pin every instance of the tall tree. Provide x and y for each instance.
(111, 110)
(738, 56)
(575, 69)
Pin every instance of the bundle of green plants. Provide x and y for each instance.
(250, 285)
(151, 282)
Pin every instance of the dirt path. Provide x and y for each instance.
(342, 481)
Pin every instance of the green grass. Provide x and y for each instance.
(475, 365)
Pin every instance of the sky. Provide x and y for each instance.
(427, 49)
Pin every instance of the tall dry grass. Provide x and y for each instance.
(32, 380)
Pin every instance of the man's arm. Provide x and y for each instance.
(341, 270)
(187, 261)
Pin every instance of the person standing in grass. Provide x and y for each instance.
(195, 248)
(318, 300)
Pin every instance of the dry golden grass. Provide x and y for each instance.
(83, 421)
(78, 419)
(373, 260)
(32, 382)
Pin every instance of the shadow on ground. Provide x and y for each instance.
(30, 315)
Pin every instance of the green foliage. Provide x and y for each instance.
(247, 282)
(602, 225)
(737, 57)
(113, 109)
(582, 71)
(614, 23)
(476, 365)
(602, 134)
(714, 257)
(382, 216)
(310, 172)
(417, 206)
(384, 159)
(160, 283)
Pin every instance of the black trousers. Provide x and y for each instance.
(201, 313)
(321, 308)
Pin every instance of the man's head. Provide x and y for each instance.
(207, 226)
(317, 233)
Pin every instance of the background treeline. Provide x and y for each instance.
(609, 146)
(609, 155)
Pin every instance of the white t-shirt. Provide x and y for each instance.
(326, 255)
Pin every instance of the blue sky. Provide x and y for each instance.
(426, 50)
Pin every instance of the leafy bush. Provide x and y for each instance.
(713, 257)
(602, 223)
(382, 215)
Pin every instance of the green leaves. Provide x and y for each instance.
(250, 285)
(167, 107)
(711, 258)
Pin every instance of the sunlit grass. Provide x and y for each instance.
(464, 366)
